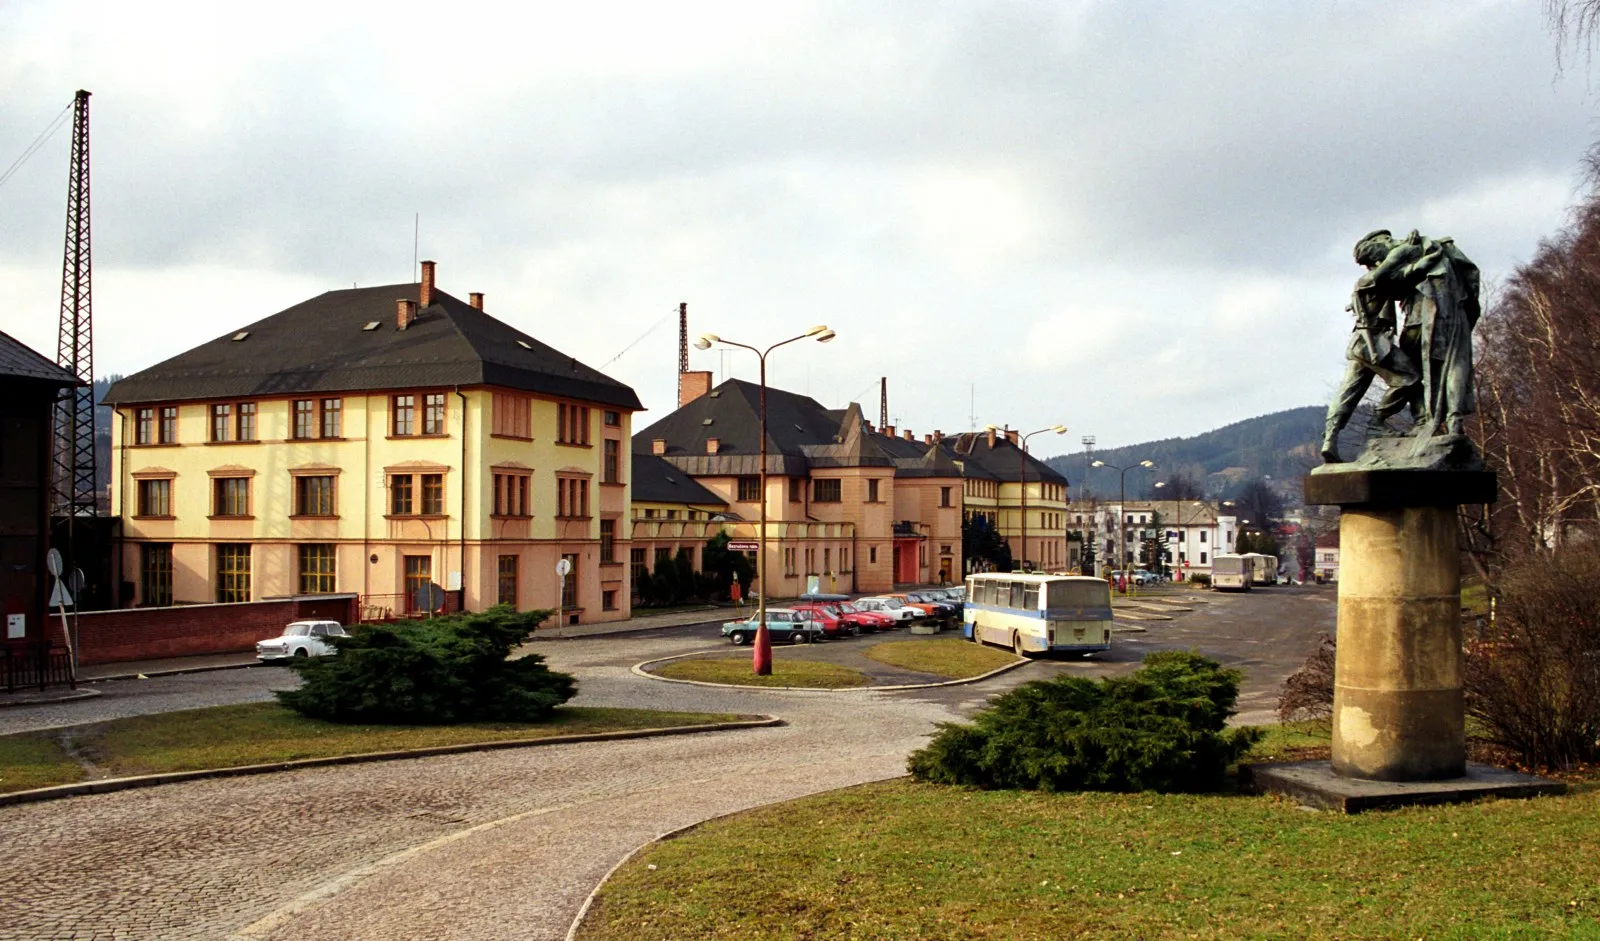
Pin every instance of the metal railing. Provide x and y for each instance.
(400, 606)
(35, 665)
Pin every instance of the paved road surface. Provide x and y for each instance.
(506, 844)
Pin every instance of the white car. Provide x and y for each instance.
(894, 607)
(301, 639)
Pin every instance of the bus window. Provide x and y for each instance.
(1030, 596)
(1078, 594)
(1016, 595)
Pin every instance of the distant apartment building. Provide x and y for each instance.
(393, 442)
(847, 507)
(1325, 563)
(1190, 533)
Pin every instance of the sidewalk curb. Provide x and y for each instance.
(74, 696)
(548, 636)
(638, 669)
(174, 672)
(112, 785)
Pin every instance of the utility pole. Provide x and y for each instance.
(74, 471)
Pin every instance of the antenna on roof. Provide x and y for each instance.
(683, 337)
(883, 402)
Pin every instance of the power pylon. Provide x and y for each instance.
(74, 477)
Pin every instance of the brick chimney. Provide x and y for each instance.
(427, 284)
(910, 435)
(692, 384)
(713, 445)
(938, 436)
(927, 439)
(476, 300)
(658, 446)
(888, 430)
(405, 312)
(1011, 436)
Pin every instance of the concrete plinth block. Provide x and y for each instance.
(924, 628)
(1315, 783)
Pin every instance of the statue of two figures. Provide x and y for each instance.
(1414, 309)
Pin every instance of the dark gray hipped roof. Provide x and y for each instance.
(731, 413)
(657, 481)
(18, 361)
(319, 345)
(1005, 461)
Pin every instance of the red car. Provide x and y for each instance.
(840, 620)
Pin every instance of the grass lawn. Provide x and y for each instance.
(35, 759)
(946, 656)
(261, 733)
(904, 860)
(736, 671)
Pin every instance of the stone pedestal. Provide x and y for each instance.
(1399, 731)
(1397, 708)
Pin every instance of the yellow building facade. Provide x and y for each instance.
(413, 496)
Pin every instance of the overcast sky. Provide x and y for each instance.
(1133, 218)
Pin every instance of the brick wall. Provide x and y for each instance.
(188, 630)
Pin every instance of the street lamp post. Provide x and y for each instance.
(1022, 477)
(763, 643)
(1122, 507)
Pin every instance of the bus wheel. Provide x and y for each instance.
(976, 639)
(1016, 645)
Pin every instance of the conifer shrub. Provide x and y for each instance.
(433, 672)
(1160, 728)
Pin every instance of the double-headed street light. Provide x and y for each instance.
(1022, 477)
(1122, 507)
(763, 643)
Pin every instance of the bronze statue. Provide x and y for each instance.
(1425, 355)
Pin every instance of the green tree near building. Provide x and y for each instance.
(983, 545)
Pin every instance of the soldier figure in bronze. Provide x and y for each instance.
(1425, 355)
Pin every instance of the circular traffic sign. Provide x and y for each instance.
(52, 561)
(564, 568)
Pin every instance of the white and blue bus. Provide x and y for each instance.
(1232, 572)
(1038, 613)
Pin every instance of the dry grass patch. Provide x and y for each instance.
(944, 656)
(265, 733)
(736, 671)
(903, 860)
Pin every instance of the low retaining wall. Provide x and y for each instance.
(192, 629)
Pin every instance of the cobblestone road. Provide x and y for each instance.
(497, 844)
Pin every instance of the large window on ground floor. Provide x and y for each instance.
(569, 583)
(233, 572)
(507, 592)
(316, 567)
(155, 573)
(419, 579)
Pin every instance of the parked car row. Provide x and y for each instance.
(815, 617)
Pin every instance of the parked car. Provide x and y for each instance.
(932, 609)
(869, 620)
(1150, 578)
(1138, 577)
(784, 625)
(835, 622)
(893, 607)
(301, 639)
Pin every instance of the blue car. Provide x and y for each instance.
(784, 625)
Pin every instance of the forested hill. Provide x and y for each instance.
(1282, 446)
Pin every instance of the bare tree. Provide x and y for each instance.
(1573, 22)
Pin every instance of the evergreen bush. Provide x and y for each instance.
(433, 672)
(1161, 728)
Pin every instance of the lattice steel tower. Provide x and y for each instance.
(74, 477)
